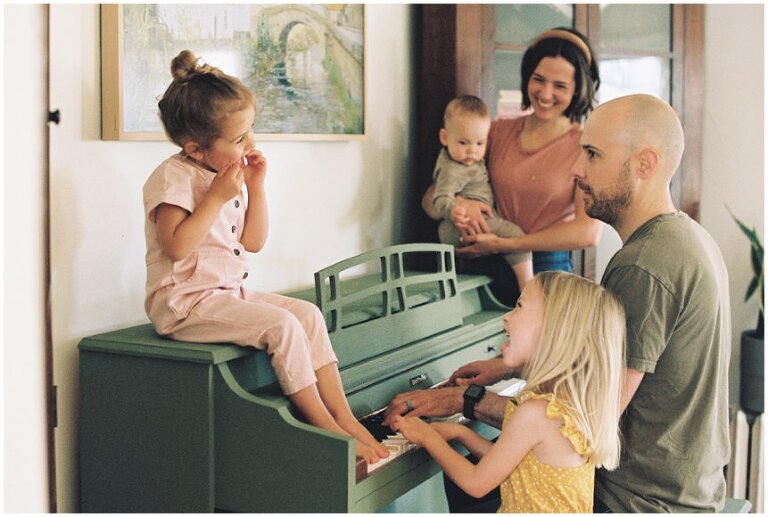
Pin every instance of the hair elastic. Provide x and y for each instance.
(568, 36)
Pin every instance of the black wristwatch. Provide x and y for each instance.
(472, 395)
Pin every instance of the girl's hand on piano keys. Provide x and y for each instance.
(415, 430)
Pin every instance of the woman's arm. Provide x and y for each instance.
(581, 232)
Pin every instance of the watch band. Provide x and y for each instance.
(473, 394)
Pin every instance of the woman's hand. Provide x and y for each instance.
(469, 216)
(482, 244)
(255, 170)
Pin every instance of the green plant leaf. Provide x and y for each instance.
(756, 258)
(757, 261)
(752, 288)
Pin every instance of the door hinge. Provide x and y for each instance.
(53, 407)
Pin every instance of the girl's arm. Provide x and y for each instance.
(517, 438)
(256, 224)
(582, 232)
(475, 444)
(180, 233)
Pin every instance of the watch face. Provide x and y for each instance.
(473, 391)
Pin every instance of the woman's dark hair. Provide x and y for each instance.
(587, 75)
(197, 100)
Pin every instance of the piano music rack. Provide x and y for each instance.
(169, 426)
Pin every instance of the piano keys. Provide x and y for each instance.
(169, 426)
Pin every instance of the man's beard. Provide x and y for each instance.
(608, 207)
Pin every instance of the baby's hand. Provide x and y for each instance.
(228, 183)
(255, 165)
(459, 214)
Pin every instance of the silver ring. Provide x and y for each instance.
(409, 405)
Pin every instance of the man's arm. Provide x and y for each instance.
(490, 409)
(632, 380)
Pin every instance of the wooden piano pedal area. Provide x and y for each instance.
(168, 426)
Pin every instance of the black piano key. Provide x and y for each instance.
(374, 425)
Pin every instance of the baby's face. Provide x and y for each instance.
(465, 136)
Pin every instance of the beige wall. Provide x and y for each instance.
(733, 152)
(328, 201)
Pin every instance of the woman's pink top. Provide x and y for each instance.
(535, 189)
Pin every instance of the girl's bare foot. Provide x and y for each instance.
(358, 431)
(365, 451)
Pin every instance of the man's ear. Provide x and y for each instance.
(648, 161)
(193, 149)
(443, 137)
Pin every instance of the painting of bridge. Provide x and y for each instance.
(304, 63)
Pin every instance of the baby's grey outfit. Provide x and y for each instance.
(472, 182)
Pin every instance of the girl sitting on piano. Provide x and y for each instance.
(567, 334)
(199, 226)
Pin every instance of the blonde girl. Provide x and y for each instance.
(199, 224)
(567, 334)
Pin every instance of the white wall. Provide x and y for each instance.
(733, 151)
(328, 200)
(25, 483)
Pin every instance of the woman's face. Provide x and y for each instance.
(523, 325)
(552, 87)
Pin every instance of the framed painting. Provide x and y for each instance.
(305, 64)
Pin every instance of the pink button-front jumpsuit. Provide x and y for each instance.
(202, 299)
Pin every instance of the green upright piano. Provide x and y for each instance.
(168, 426)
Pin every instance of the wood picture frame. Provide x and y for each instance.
(305, 64)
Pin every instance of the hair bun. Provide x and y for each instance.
(184, 66)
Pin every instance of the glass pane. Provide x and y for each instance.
(506, 103)
(649, 75)
(637, 27)
(518, 24)
(507, 70)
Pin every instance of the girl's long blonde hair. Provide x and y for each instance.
(580, 358)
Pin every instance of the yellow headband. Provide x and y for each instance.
(567, 36)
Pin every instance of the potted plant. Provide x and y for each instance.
(752, 357)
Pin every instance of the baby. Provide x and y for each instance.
(460, 170)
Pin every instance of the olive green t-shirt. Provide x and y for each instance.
(672, 280)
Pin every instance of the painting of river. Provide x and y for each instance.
(304, 62)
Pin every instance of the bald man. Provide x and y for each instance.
(672, 280)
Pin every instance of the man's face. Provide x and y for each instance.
(604, 170)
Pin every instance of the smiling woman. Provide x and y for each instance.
(529, 162)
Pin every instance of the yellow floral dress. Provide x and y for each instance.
(534, 487)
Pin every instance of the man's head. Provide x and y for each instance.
(632, 147)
